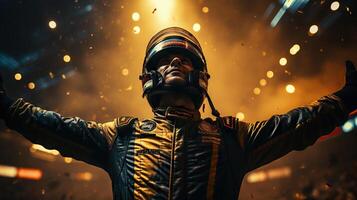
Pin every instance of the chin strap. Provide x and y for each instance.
(196, 79)
(214, 110)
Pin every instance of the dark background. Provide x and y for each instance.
(240, 46)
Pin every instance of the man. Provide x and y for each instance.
(176, 154)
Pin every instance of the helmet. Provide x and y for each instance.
(168, 41)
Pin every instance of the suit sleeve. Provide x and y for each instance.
(74, 137)
(265, 141)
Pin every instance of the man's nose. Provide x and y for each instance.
(176, 62)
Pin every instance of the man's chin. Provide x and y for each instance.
(175, 81)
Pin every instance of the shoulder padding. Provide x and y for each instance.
(125, 124)
(229, 122)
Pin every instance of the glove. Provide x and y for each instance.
(5, 101)
(348, 93)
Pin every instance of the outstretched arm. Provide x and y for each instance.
(268, 140)
(71, 136)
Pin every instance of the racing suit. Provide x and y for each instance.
(176, 154)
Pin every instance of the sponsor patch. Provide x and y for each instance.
(148, 125)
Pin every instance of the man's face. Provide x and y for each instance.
(174, 68)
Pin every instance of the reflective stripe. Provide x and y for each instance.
(212, 171)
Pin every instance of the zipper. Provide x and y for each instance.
(171, 181)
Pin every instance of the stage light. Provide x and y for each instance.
(205, 9)
(84, 176)
(66, 58)
(257, 177)
(240, 116)
(125, 72)
(68, 159)
(348, 126)
(290, 88)
(335, 5)
(264, 175)
(256, 91)
(283, 61)
(263, 82)
(313, 29)
(25, 173)
(136, 29)
(37, 147)
(135, 16)
(31, 85)
(294, 49)
(15, 172)
(52, 24)
(18, 76)
(164, 10)
(196, 27)
(270, 74)
(8, 171)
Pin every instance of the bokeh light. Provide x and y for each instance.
(135, 16)
(31, 85)
(283, 61)
(68, 159)
(257, 91)
(205, 9)
(136, 29)
(290, 88)
(263, 82)
(125, 72)
(66, 58)
(335, 5)
(18, 76)
(270, 74)
(52, 24)
(196, 27)
(240, 116)
(294, 49)
(348, 126)
(313, 29)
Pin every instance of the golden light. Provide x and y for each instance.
(135, 16)
(270, 74)
(257, 177)
(205, 9)
(335, 5)
(40, 148)
(164, 10)
(283, 61)
(294, 49)
(66, 58)
(27, 173)
(68, 159)
(52, 24)
(31, 85)
(290, 88)
(136, 29)
(125, 72)
(8, 171)
(84, 176)
(63, 76)
(240, 116)
(313, 29)
(196, 27)
(18, 76)
(263, 82)
(257, 91)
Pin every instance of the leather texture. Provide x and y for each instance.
(176, 154)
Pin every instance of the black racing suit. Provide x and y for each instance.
(176, 154)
